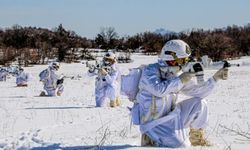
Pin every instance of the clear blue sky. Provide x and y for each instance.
(128, 17)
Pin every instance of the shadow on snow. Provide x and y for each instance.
(55, 107)
(89, 147)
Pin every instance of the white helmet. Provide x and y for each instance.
(174, 49)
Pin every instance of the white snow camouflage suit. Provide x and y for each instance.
(22, 78)
(3, 74)
(49, 79)
(107, 86)
(164, 121)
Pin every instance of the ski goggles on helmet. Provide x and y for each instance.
(178, 61)
(108, 61)
(56, 67)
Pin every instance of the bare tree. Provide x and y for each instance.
(107, 37)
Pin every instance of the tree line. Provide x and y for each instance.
(229, 42)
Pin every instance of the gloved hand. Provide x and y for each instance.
(193, 67)
(59, 81)
(186, 77)
(220, 74)
(103, 72)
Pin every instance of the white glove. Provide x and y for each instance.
(221, 74)
(103, 72)
(186, 77)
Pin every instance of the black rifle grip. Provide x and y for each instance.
(197, 67)
(226, 64)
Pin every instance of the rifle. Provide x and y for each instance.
(197, 68)
(60, 80)
(97, 67)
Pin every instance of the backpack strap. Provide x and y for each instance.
(153, 114)
(153, 108)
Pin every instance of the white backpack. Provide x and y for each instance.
(44, 75)
(130, 83)
(130, 88)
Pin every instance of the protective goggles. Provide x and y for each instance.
(55, 67)
(178, 61)
(107, 59)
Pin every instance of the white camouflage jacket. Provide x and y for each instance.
(157, 96)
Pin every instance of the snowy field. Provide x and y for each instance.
(71, 121)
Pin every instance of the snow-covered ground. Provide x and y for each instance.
(71, 121)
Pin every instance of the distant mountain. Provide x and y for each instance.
(162, 31)
(248, 25)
